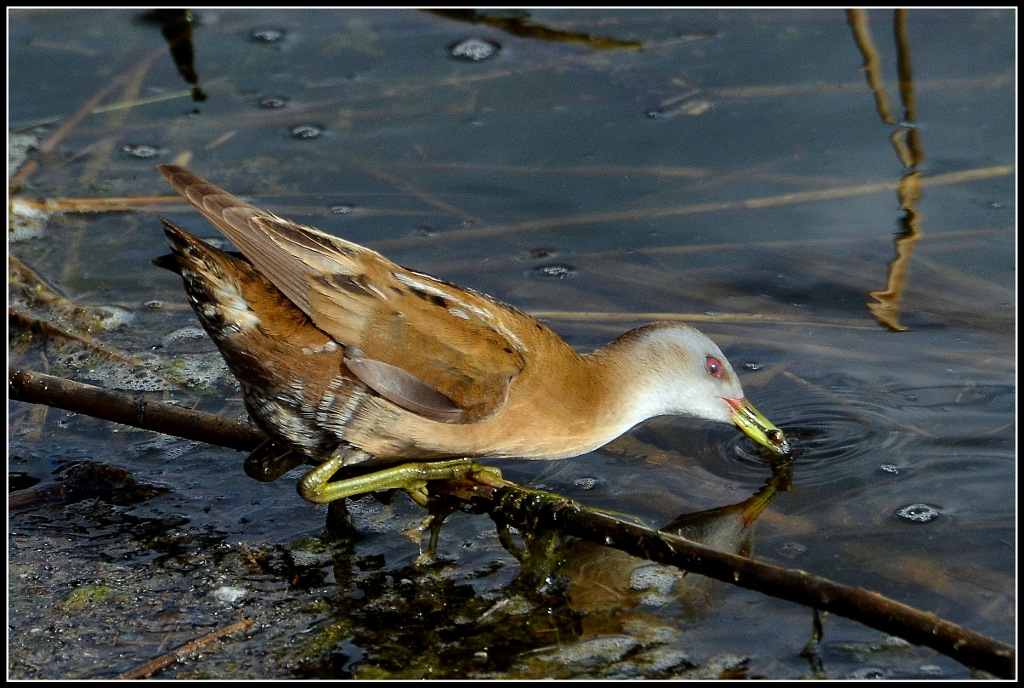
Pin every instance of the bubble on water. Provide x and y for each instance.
(656, 582)
(268, 35)
(26, 222)
(889, 468)
(597, 651)
(136, 380)
(556, 270)
(586, 483)
(141, 150)
(867, 673)
(189, 332)
(918, 513)
(113, 317)
(307, 131)
(343, 209)
(273, 102)
(792, 549)
(474, 49)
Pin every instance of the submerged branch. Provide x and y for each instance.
(867, 607)
(533, 511)
(128, 409)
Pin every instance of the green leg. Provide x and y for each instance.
(440, 509)
(411, 477)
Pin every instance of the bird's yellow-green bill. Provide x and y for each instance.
(757, 427)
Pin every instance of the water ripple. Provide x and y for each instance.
(828, 443)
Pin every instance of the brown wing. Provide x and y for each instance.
(433, 348)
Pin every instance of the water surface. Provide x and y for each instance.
(851, 247)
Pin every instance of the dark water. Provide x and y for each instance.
(738, 172)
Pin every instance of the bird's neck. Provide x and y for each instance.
(629, 382)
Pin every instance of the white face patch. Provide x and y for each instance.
(676, 379)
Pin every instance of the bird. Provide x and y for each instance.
(346, 359)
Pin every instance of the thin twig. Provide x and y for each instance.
(155, 665)
(58, 135)
(412, 189)
(637, 214)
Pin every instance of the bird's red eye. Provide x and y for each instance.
(714, 366)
